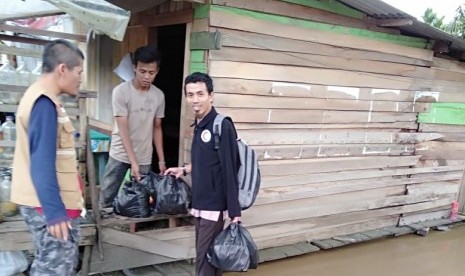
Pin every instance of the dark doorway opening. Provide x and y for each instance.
(170, 41)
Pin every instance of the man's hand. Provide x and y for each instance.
(135, 171)
(236, 220)
(177, 171)
(60, 230)
(162, 167)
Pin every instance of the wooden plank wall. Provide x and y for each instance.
(333, 119)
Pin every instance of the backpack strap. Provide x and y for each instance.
(217, 129)
(217, 123)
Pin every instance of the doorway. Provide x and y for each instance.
(170, 41)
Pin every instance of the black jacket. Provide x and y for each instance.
(214, 172)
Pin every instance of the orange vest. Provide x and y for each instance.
(22, 188)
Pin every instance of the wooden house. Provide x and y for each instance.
(354, 107)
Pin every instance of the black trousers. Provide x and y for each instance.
(205, 232)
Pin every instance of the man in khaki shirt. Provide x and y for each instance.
(138, 108)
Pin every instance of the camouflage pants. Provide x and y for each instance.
(52, 257)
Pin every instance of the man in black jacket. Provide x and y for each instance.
(214, 172)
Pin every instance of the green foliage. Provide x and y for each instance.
(459, 22)
(431, 18)
(455, 27)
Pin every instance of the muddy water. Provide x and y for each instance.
(438, 254)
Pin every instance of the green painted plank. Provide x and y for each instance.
(392, 38)
(197, 67)
(197, 55)
(205, 40)
(201, 11)
(444, 113)
(329, 5)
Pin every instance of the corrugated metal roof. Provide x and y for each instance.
(377, 9)
(99, 15)
(381, 10)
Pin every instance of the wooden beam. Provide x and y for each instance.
(454, 172)
(248, 24)
(441, 46)
(234, 38)
(24, 39)
(441, 150)
(301, 90)
(332, 62)
(302, 12)
(91, 175)
(21, 89)
(149, 245)
(30, 31)
(309, 166)
(137, 6)
(288, 193)
(283, 116)
(449, 65)
(119, 258)
(173, 18)
(20, 51)
(193, 1)
(336, 204)
(183, 117)
(331, 77)
(100, 126)
(394, 22)
(274, 101)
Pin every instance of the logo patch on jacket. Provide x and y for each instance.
(206, 136)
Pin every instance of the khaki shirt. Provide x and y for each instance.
(141, 108)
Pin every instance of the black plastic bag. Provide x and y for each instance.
(233, 249)
(149, 181)
(132, 201)
(253, 250)
(173, 195)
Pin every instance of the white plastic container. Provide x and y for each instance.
(9, 129)
(7, 72)
(8, 208)
(36, 72)
(23, 75)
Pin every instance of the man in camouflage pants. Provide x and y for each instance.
(45, 180)
(50, 259)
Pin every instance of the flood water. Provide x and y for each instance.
(438, 254)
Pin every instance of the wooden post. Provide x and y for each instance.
(93, 190)
(172, 222)
(461, 197)
(83, 126)
(182, 123)
(86, 260)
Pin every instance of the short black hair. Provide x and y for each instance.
(147, 54)
(60, 51)
(199, 77)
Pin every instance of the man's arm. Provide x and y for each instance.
(229, 159)
(158, 141)
(121, 113)
(42, 134)
(122, 122)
